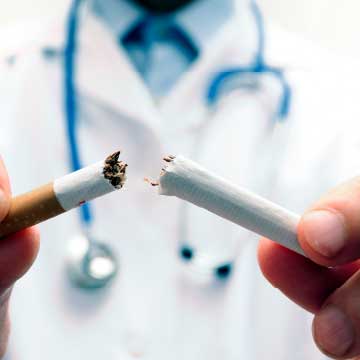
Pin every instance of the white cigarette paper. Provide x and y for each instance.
(89, 183)
(189, 181)
(64, 194)
(81, 186)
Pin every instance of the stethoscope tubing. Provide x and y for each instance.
(212, 95)
(70, 100)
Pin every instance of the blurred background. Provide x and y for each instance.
(331, 23)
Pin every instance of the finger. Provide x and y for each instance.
(329, 232)
(4, 191)
(300, 279)
(17, 254)
(336, 327)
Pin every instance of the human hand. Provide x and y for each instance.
(17, 253)
(327, 283)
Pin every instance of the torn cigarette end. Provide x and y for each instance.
(115, 170)
(64, 194)
(168, 159)
(191, 182)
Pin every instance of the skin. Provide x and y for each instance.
(159, 6)
(324, 285)
(17, 253)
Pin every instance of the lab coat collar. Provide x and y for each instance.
(105, 74)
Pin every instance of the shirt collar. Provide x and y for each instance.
(118, 15)
(121, 15)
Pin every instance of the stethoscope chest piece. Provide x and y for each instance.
(91, 264)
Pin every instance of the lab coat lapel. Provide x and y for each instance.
(219, 54)
(189, 93)
(105, 74)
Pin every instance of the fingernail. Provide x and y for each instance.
(325, 232)
(333, 331)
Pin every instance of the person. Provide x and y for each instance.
(142, 74)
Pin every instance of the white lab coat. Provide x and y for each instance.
(153, 310)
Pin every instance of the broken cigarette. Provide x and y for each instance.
(64, 194)
(189, 181)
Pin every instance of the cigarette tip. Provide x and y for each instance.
(168, 159)
(113, 158)
(115, 170)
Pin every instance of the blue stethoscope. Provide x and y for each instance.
(218, 83)
(94, 264)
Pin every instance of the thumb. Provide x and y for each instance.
(329, 232)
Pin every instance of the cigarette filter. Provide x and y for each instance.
(189, 181)
(64, 194)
